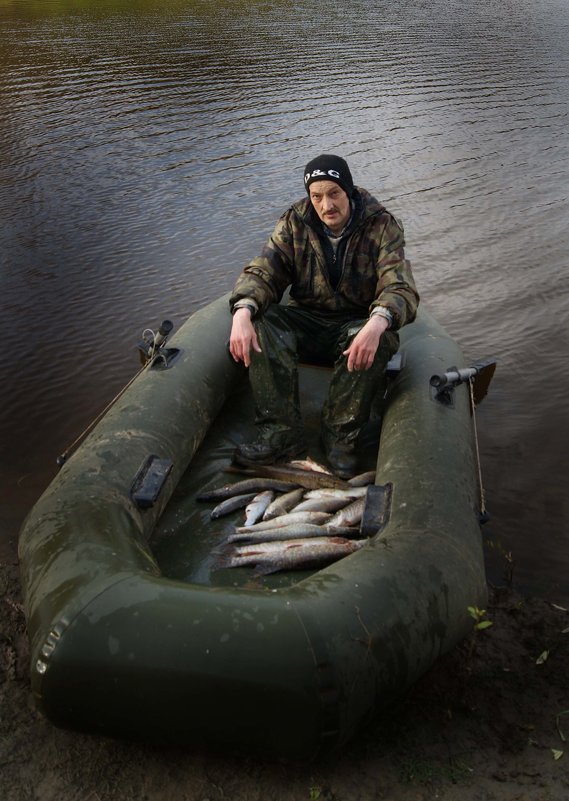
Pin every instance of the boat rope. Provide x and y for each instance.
(152, 352)
(63, 457)
(478, 465)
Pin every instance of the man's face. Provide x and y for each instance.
(331, 203)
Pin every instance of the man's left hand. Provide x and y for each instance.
(363, 348)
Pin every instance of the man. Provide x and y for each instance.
(341, 253)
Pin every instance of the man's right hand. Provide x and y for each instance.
(243, 337)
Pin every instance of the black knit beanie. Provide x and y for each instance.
(329, 168)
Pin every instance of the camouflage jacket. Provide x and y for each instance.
(374, 271)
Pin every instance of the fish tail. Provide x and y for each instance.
(224, 556)
(238, 537)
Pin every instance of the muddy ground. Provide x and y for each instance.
(490, 722)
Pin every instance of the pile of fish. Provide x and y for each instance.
(297, 516)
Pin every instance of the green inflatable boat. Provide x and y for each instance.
(136, 631)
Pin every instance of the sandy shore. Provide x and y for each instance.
(489, 722)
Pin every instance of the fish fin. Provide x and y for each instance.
(348, 532)
(266, 570)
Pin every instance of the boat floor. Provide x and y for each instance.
(186, 543)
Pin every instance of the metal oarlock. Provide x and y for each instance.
(480, 374)
(478, 378)
(152, 347)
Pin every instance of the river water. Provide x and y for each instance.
(147, 148)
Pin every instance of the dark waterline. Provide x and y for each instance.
(146, 150)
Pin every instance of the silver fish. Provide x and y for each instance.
(255, 510)
(268, 546)
(309, 464)
(310, 479)
(350, 515)
(324, 504)
(285, 520)
(291, 532)
(292, 554)
(257, 484)
(230, 505)
(295, 531)
(362, 479)
(329, 492)
(283, 503)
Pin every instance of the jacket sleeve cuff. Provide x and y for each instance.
(383, 311)
(246, 303)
